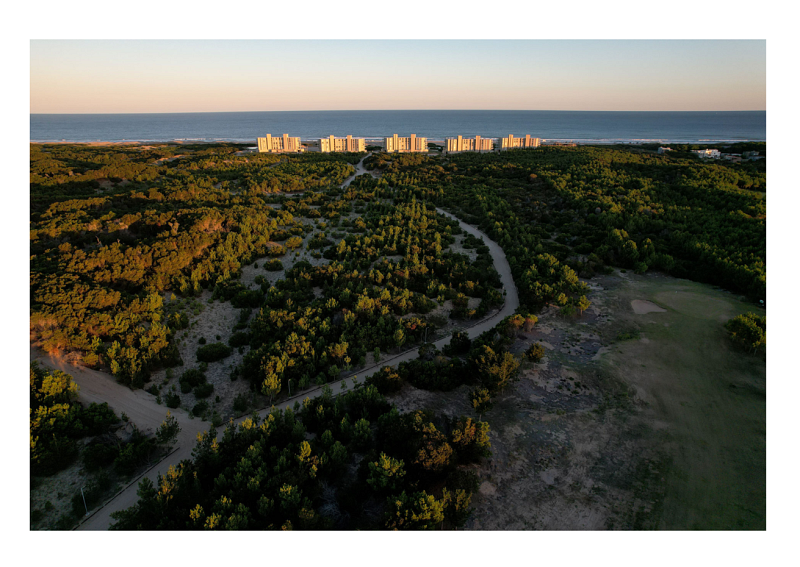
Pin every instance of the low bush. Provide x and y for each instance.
(248, 298)
(191, 378)
(748, 331)
(213, 352)
(97, 418)
(238, 339)
(200, 408)
(459, 344)
(387, 381)
(99, 455)
(241, 402)
(203, 390)
(276, 250)
(172, 400)
(294, 242)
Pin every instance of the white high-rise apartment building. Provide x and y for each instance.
(511, 142)
(279, 144)
(477, 144)
(348, 144)
(410, 144)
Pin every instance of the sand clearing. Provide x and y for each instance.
(641, 307)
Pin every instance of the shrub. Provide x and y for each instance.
(226, 290)
(132, 455)
(178, 321)
(749, 331)
(202, 340)
(248, 298)
(213, 352)
(172, 400)
(191, 378)
(241, 402)
(99, 455)
(470, 439)
(203, 390)
(238, 339)
(97, 419)
(200, 408)
(387, 381)
(273, 265)
(459, 344)
(535, 353)
(294, 242)
(276, 250)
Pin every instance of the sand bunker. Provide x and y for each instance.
(641, 307)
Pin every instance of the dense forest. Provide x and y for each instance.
(102, 266)
(411, 471)
(112, 229)
(589, 207)
(121, 238)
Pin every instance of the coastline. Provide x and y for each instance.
(578, 141)
(580, 127)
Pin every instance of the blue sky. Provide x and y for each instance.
(85, 76)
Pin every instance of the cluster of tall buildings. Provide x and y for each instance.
(348, 144)
(279, 144)
(286, 144)
(412, 143)
(478, 144)
(459, 144)
(511, 142)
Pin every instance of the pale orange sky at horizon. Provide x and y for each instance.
(216, 76)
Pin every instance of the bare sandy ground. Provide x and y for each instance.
(663, 431)
(641, 307)
(458, 247)
(208, 320)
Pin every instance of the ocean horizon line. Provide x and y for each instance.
(373, 110)
(245, 127)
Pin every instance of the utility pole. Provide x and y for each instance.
(84, 502)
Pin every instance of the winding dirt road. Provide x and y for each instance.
(142, 409)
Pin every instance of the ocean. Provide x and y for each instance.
(587, 127)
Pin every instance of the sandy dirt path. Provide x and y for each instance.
(359, 171)
(142, 409)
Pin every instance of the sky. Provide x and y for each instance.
(120, 76)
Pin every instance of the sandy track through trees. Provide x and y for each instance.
(142, 409)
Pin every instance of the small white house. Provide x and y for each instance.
(713, 154)
(664, 150)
